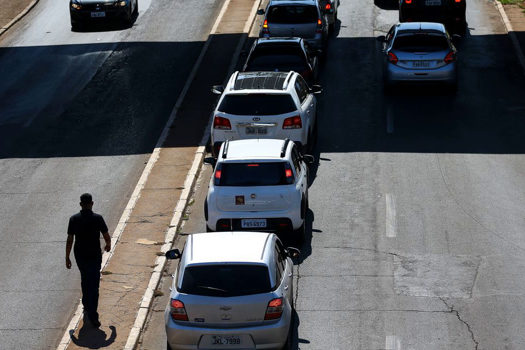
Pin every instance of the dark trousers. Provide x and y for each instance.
(90, 281)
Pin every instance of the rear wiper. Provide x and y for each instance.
(213, 288)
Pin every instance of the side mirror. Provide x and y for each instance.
(316, 89)
(293, 252)
(260, 12)
(381, 39)
(211, 161)
(173, 254)
(217, 89)
(308, 159)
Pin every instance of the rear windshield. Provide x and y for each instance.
(292, 14)
(226, 280)
(257, 104)
(253, 174)
(279, 58)
(421, 43)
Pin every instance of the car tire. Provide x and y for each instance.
(75, 26)
(136, 10)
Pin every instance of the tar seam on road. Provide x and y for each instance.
(512, 34)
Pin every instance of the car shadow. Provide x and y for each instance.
(389, 5)
(296, 341)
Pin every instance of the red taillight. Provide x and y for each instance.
(457, 1)
(178, 312)
(288, 173)
(319, 26)
(392, 58)
(218, 174)
(274, 309)
(450, 57)
(221, 123)
(328, 6)
(408, 2)
(265, 30)
(252, 165)
(293, 123)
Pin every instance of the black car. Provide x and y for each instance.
(449, 12)
(282, 55)
(82, 11)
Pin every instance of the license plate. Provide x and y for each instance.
(225, 340)
(98, 14)
(253, 223)
(433, 2)
(420, 64)
(254, 130)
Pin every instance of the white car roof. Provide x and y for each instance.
(251, 149)
(229, 247)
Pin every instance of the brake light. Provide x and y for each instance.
(450, 57)
(274, 309)
(408, 2)
(392, 58)
(266, 29)
(456, 1)
(218, 174)
(319, 26)
(221, 123)
(252, 165)
(288, 173)
(293, 123)
(328, 6)
(178, 312)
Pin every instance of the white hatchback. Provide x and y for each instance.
(258, 185)
(231, 290)
(256, 105)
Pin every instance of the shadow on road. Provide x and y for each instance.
(93, 338)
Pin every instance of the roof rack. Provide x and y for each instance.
(225, 149)
(287, 80)
(285, 146)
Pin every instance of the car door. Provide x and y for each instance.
(285, 265)
(301, 171)
(308, 102)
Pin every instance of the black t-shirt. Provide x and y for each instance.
(87, 226)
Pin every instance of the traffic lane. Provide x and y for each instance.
(96, 145)
(406, 250)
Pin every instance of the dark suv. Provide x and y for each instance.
(282, 55)
(449, 12)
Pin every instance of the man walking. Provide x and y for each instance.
(85, 229)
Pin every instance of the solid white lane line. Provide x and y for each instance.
(392, 342)
(389, 120)
(390, 216)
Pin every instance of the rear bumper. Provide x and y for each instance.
(282, 220)
(120, 13)
(446, 74)
(266, 336)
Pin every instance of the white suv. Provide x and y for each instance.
(258, 105)
(258, 185)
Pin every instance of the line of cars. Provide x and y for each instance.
(233, 286)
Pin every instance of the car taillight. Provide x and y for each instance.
(221, 123)
(274, 309)
(178, 312)
(392, 58)
(328, 6)
(217, 176)
(319, 26)
(408, 2)
(450, 57)
(266, 29)
(456, 1)
(288, 173)
(293, 123)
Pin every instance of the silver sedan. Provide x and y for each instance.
(419, 52)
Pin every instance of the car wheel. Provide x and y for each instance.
(136, 10)
(75, 26)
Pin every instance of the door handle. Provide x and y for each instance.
(285, 287)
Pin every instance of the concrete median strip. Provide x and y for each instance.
(512, 34)
(18, 17)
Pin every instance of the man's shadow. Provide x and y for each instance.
(93, 338)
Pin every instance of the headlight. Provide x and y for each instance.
(122, 3)
(76, 6)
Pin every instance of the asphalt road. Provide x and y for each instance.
(78, 112)
(416, 225)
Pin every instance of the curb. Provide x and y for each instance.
(189, 183)
(512, 34)
(19, 17)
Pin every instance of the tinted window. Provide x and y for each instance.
(257, 104)
(226, 280)
(420, 43)
(292, 14)
(277, 59)
(253, 174)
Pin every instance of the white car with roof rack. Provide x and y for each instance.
(258, 185)
(231, 290)
(274, 105)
